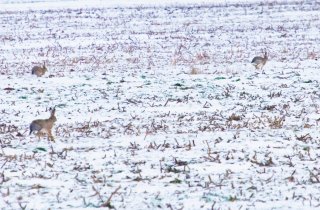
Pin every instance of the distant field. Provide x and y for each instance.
(158, 106)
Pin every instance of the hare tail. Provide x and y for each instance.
(34, 127)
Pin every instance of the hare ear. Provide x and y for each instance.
(53, 111)
(44, 64)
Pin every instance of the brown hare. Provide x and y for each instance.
(259, 62)
(43, 126)
(39, 71)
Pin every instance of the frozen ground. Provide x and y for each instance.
(158, 106)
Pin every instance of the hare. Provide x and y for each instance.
(259, 62)
(44, 125)
(39, 71)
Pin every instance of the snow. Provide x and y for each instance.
(158, 105)
(78, 4)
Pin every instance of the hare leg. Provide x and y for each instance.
(262, 69)
(50, 136)
(39, 134)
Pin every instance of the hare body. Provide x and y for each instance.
(39, 71)
(43, 126)
(259, 62)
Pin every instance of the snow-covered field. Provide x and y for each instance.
(158, 105)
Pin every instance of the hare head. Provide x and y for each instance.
(44, 67)
(52, 115)
(265, 55)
